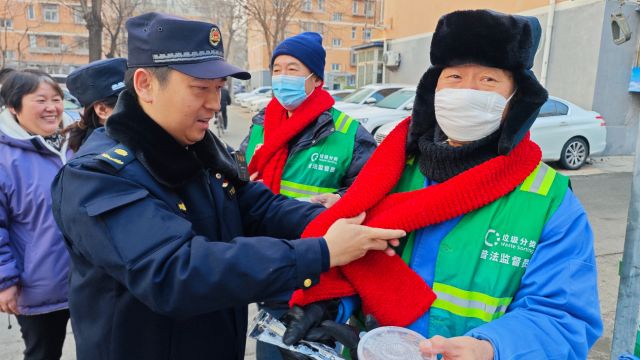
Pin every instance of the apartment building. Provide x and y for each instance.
(343, 24)
(49, 35)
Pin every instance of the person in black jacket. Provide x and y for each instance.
(168, 240)
(225, 100)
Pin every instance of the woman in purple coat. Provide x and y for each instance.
(33, 260)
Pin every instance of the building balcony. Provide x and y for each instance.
(58, 51)
(46, 50)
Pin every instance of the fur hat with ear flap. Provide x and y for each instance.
(488, 38)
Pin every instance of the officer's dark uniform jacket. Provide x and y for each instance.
(162, 265)
(364, 145)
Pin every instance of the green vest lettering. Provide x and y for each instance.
(317, 169)
(481, 261)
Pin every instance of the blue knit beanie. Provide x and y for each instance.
(306, 47)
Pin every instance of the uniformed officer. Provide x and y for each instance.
(96, 85)
(165, 235)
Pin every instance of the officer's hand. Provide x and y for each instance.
(9, 300)
(461, 347)
(325, 199)
(347, 240)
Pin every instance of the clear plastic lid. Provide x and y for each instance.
(390, 343)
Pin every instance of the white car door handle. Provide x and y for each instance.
(564, 123)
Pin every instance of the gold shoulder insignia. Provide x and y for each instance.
(118, 156)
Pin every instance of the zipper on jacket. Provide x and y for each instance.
(314, 140)
(207, 184)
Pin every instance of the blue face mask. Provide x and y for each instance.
(289, 90)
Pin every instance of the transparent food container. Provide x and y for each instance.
(391, 343)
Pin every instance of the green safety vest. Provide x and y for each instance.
(320, 168)
(481, 261)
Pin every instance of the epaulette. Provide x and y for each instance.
(117, 157)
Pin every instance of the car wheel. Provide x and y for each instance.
(574, 153)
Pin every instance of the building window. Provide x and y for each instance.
(6, 23)
(369, 66)
(77, 15)
(353, 33)
(31, 12)
(368, 8)
(336, 42)
(351, 81)
(354, 58)
(335, 67)
(51, 13)
(354, 7)
(337, 16)
(306, 5)
(82, 43)
(306, 26)
(52, 42)
(321, 5)
(33, 41)
(366, 34)
(9, 55)
(320, 28)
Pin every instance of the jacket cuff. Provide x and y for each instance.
(312, 256)
(7, 283)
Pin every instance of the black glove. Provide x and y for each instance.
(329, 332)
(299, 320)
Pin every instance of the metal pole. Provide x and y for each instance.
(628, 307)
(547, 42)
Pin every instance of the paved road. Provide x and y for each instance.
(603, 187)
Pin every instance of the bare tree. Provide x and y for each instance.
(272, 17)
(116, 13)
(91, 12)
(231, 18)
(227, 14)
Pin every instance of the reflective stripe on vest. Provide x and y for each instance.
(342, 125)
(469, 303)
(295, 190)
(540, 180)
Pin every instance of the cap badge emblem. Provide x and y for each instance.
(214, 37)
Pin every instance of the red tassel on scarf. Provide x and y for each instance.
(269, 160)
(388, 288)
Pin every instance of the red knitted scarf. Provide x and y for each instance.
(388, 288)
(279, 129)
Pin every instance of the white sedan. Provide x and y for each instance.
(367, 95)
(565, 132)
(568, 133)
(259, 104)
(247, 101)
(396, 106)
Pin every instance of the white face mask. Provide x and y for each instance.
(467, 114)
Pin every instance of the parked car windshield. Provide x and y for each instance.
(396, 99)
(70, 102)
(358, 96)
